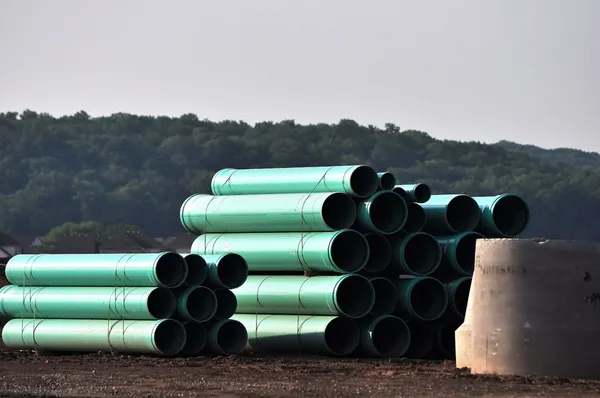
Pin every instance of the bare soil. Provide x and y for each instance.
(101, 375)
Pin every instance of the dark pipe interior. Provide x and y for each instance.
(169, 337)
(196, 338)
(387, 181)
(232, 270)
(354, 296)
(380, 252)
(465, 252)
(422, 254)
(364, 181)
(402, 193)
(422, 340)
(201, 303)
(171, 269)
(461, 296)
(342, 336)
(161, 303)
(197, 270)
(226, 303)
(387, 212)
(391, 337)
(446, 341)
(232, 337)
(422, 193)
(339, 211)
(511, 215)
(386, 296)
(349, 251)
(463, 213)
(416, 218)
(428, 299)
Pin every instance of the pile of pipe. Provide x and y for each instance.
(140, 303)
(345, 262)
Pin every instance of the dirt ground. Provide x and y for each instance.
(100, 375)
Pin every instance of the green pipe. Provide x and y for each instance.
(358, 180)
(422, 339)
(421, 298)
(385, 336)
(444, 344)
(161, 337)
(459, 252)
(380, 253)
(343, 251)
(386, 296)
(416, 218)
(227, 270)
(502, 216)
(135, 303)
(385, 212)
(451, 214)
(330, 335)
(350, 295)
(387, 181)
(197, 270)
(415, 254)
(165, 269)
(458, 296)
(287, 212)
(397, 189)
(196, 303)
(197, 338)
(226, 337)
(419, 193)
(226, 304)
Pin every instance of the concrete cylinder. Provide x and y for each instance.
(536, 308)
(462, 335)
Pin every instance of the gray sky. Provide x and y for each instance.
(521, 70)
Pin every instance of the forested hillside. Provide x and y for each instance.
(138, 169)
(574, 158)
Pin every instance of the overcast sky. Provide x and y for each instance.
(520, 70)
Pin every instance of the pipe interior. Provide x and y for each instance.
(422, 340)
(342, 336)
(387, 212)
(461, 296)
(511, 215)
(349, 251)
(364, 181)
(428, 299)
(232, 270)
(416, 218)
(422, 254)
(387, 181)
(232, 337)
(380, 253)
(196, 338)
(462, 213)
(169, 337)
(386, 296)
(201, 303)
(171, 269)
(422, 193)
(402, 193)
(465, 252)
(197, 270)
(226, 303)
(446, 341)
(354, 296)
(161, 303)
(339, 211)
(391, 337)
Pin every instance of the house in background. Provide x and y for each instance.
(131, 242)
(9, 247)
(30, 244)
(180, 243)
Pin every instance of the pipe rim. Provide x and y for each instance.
(463, 255)
(161, 303)
(416, 218)
(386, 296)
(460, 295)
(387, 212)
(231, 270)
(342, 336)
(380, 252)
(231, 336)
(170, 270)
(390, 336)
(353, 296)
(348, 251)
(196, 338)
(421, 254)
(428, 298)
(387, 181)
(168, 337)
(338, 211)
(500, 214)
(226, 303)
(197, 270)
(200, 303)
(182, 212)
(364, 181)
(422, 193)
(422, 340)
(462, 213)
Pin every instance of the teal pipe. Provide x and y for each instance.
(385, 336)
(387, 181)
(166, 269)
(451, 214)
(444, 343)
(344, 251)
(197, 270)
(196, 340)
(458, 296)
(226, 304)
(196, 303)
(162, 337)
(415, 254)
(421, 298)
(386, 296)
(380, 253)
(358, 180)
(502, 216)
(415, 219)
(458, 252)
(226, 337)
(422, 339)
(135, 303)
(350, 295)
(419, 193)
(329, 335)
(226, 270)
(385, 212)
(287, 212)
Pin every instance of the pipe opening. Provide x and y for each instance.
(387, 181)
(462, 213)
(422, 340)
(232, 270)
(400, 191)
(354, 296)
(511, 215)
(364, 181)
(161, 303)
(422, 253)
(226, 303)
(386, 296)
(422, 193)
(196, 338)
(171, 270)
(169, 337)
(465, 252)
(391, 337)
(446, 341)
(387, 212)
(197, 270)
(428, 299)
(338, 211)
(416, 218)
(201, 304)
(349, 251)
(342, 336)
(380, 253)
(461, 296)
(231, 337)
